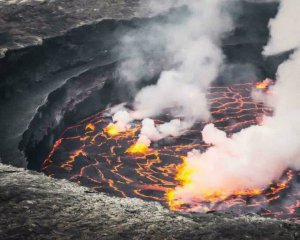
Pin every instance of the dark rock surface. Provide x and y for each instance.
(34, 206)
(28, 22)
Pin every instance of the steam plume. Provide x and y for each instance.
(192, 57)
(258, 155)
(285, 34)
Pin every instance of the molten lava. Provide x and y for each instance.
(97, 154)
(112, 130)
(138, 147)
(264, 84)
(90, 127)
(184, 176)
(184, 173)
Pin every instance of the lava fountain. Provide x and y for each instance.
(98, 154)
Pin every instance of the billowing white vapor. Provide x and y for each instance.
(193, 60)
(285, 34)
(258, 155)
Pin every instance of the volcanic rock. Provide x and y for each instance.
(34, 206)
(29, 22)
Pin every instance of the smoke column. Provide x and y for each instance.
(284, 29)
(258, 155)
(192, 58)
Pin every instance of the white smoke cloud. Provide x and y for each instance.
(144, 141)
(122, 118)
(258, 155)
(261, 96)
(155, 132)
(172, 128)
(171, 92)
(285, 34)
(192, 60)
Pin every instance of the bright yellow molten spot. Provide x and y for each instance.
(262, 85)
(184, 177)
(112, 130)
(138, 147)
(218, 196)
(173, 203)
(184, 172)
(248, 192)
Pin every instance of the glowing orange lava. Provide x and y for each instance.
(184, 177)
(97, 154)
(184, 172)
(112, 130)
(90, 127)
(264, 84)
(173, 203)
(138, 147)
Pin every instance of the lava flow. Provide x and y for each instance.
(96, 154)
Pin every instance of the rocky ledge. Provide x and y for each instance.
(34, 206)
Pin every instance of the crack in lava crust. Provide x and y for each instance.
(86, 154)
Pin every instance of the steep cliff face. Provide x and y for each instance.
(34, 206)
(43, 48)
